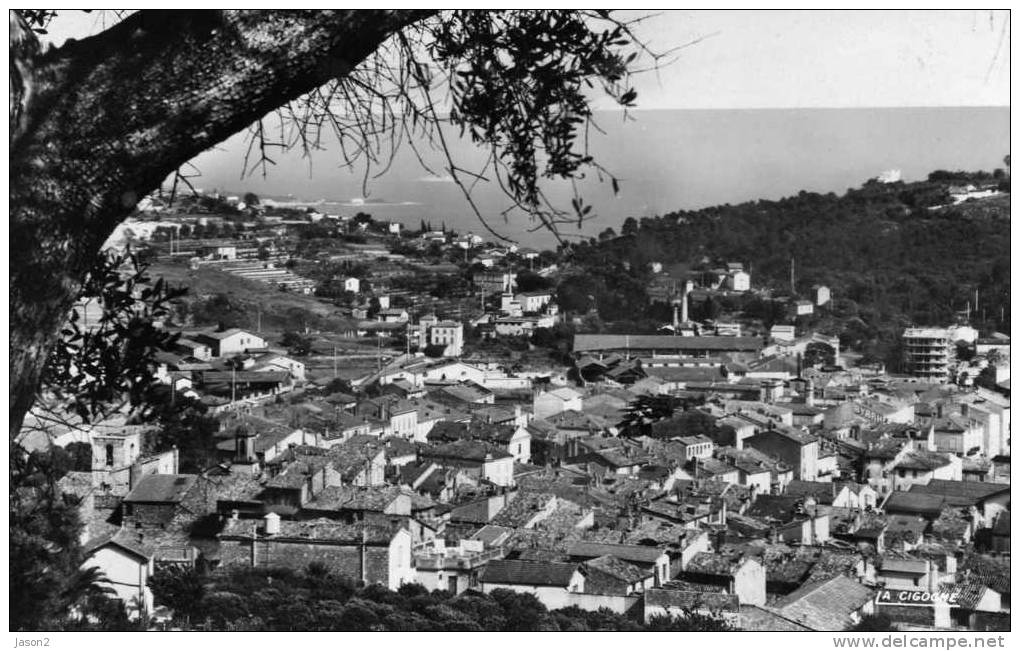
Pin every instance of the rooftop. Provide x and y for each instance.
(169, 489)
(539, 573)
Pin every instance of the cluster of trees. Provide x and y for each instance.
(316, 599)
(888, 259)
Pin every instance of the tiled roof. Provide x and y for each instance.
(618, 569)
(169, 489)
(321, 529)
(492, 535)
(519, 511)
(914, 502)
(823, 492)
(475, 451)
(123, 539)
(825, 605)
(761, 619)
(960, 493)
(536, 573)
(923, 460)
(904, 565)
(355, 498)
(630, 553)
(713, 564)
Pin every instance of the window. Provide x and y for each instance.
(109, 455)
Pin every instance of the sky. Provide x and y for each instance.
(798, 58)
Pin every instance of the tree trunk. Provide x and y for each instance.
(99, 123)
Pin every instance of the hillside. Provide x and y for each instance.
(215, 296)
(893, 254)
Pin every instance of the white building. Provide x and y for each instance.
(822, 295)
(550, 403)
(352, 285)
(232, 341)
(450, 335)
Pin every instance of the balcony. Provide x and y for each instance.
(454, 561)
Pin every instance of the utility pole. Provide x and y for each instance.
(793, 289)
(233, 383)
(334, 361)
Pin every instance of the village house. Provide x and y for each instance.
(551, 582)
(741, 577)
(371, 553)
(227, 343)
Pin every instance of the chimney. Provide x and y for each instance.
(939, 410)
(177, 459)
(135, 473)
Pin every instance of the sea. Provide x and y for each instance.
(664, 160)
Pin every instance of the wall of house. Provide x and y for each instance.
(149, 514)
(127, 573)
(699, 542)
(345, 559)
(546, 405)
(903, 581)
(404, 425)
(499, 471)
(992, 508)
(520, 446)
(551, 597)
(749, 583)
(400, 570)
(617, 603)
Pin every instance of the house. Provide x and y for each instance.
(372, 553)
(550, 581)
(794, 447)
(831, 605)
(984, 501)
(352, 285)
(737, 279)
(803, 308)
(360, 461)
(822, 295)
(229, 342)
(957, 434)
(610, 575)
(274, 362)
(739, 576)
(439, 566)
(515, 439)
(826, 493)
(921, 467)
(127, 563)
(477, 459)
(550, 403)
(165, 500)
(793, 519)
(895, 573)
(655, 560)
(392, 315)
(783, 333)
(534, 301)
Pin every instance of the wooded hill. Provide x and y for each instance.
(893, 254)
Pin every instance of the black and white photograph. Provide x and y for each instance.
(509, 320)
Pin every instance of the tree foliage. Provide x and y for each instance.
(97, 365)
(318, 599)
